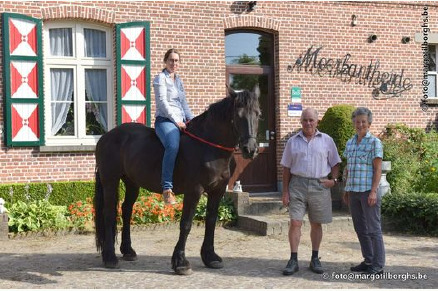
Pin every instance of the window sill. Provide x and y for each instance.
(67, 149)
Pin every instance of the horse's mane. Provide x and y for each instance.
(222, 109)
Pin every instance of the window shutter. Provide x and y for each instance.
(23, 80)
(133, 73)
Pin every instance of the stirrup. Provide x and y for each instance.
(169, 197)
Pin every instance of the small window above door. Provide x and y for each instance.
(248, 48)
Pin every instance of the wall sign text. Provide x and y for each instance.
(385, 85)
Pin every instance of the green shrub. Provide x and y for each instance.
(31, 206)
(337, 123)
(148, 209)
(226, 212)
(414, 158)
(38, 215)
(428, 181)
(405, 166)
(57, 193)
(414, 212)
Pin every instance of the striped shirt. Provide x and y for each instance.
(310, 159)
(360, 162)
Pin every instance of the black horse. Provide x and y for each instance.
(133, 153)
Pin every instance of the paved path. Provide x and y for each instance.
(251, 261)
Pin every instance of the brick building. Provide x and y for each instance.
(58, 57)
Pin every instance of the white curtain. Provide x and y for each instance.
(95, 43)
(61, 42)
(61, 82)
(62, 85)
(95, 87)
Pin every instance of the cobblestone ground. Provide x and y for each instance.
(251, 261)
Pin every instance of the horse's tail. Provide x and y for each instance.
(98, 212)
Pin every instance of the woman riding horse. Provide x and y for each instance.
(133, 153)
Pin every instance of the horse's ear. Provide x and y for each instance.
(256, 90)
(231, 91)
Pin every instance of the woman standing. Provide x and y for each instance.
(364, 153)
(171, 114)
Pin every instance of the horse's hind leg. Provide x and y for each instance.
(130, 197)
(208, 255)
(110, 212)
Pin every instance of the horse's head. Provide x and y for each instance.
(246, 120)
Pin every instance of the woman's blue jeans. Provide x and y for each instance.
(169, 135)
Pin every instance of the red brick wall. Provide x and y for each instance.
(197, 28)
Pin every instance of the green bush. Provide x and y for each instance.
(428, 181)
(38, 215)
(57, 193)
(414, 212)
(226, 212)
(148, 209)
(414, 158)
(337, 123)
(405, 166)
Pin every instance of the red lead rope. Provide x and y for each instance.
(207, 142)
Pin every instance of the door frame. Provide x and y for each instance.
(269, 71)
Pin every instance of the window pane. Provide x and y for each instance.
(248, 48)
(61, 42)
(62, 102)
(94, 112)
(432, 58)
(431, 89)
(96, 101)
(95, 43)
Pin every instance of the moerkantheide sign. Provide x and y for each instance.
(385, 85)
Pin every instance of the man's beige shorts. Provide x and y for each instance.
(309, 194)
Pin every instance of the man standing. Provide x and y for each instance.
(308, 158)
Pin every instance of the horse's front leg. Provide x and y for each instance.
(180, 264)
(209, 257)
(131, 195)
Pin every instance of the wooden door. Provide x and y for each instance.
(260, 174)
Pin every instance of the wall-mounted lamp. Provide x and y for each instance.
(406, 39)
(251, 6)
(353, 20)
(372, 38)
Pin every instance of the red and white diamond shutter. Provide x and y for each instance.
(22, 75)
(133, 73)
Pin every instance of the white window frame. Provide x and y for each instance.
(434, 73)
(79, 63)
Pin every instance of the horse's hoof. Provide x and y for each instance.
(112, 265)
(130, 257)
(183, 271)
(215, 265)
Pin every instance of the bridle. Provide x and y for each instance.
(207, 142)
(228, 149)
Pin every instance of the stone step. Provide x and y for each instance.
(278, 224)
(264, 213)
(264, 203)
(270, 203)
